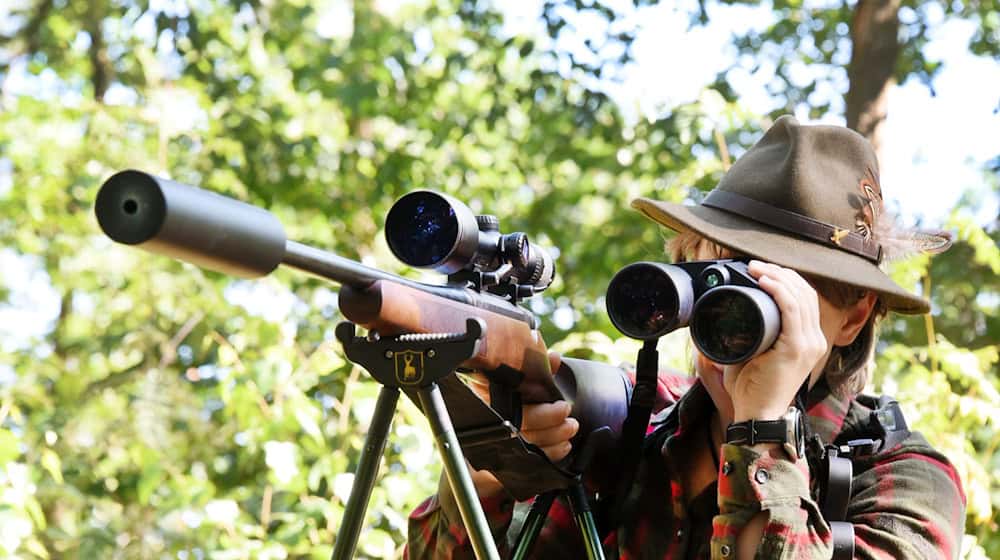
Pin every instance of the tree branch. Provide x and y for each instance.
(100, 64)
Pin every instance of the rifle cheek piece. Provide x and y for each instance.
(193, 225)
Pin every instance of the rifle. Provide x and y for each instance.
(225, 235)
(488, 274)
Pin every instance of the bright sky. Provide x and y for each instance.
(935, 146)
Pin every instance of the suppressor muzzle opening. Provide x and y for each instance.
(130, 207)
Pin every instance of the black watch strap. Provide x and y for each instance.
(753, 432)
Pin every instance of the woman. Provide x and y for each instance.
(805, 206)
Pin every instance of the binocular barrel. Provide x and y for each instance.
(731, 318)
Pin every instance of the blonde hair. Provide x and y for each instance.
(848, 368)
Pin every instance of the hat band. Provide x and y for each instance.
(822, 232)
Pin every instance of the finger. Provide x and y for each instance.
(555, 361)
(797, 284)
(544, 415)
(791, 314)
(554, 435)
(803, 292)
(557, 452)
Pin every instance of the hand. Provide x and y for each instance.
(547, 425)
(764, 387)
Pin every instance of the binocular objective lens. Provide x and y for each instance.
(642, 302)
(726, 326)
(421, 229)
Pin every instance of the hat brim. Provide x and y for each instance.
(776, 246)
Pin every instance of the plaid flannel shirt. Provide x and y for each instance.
(906, 502)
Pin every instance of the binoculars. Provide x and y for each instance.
(731, 318)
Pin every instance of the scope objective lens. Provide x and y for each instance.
(421, 229)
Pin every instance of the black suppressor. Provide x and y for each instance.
(731, 318)
(191, 224)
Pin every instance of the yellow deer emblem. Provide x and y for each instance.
(409, 367)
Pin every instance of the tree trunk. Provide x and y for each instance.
(100, 64)
(875, 40)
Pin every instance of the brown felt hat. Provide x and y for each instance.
(803, 197)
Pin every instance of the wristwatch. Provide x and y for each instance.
(788, 431)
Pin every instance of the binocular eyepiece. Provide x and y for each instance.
(731, 318)
(426, 229)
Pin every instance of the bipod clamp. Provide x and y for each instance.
(414, 363)
(417, 360)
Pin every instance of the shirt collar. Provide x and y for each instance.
(826, 411)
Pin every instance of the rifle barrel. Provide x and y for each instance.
(229, 236)
(334, 267)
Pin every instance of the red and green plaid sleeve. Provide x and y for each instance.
(750, 482)
(906, 503)
(436, 529)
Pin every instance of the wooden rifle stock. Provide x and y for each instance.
(391, 308)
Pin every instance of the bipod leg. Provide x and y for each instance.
(364, 477)
(458, 474)
(585, 520)
(533, 524)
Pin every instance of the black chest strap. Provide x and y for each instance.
(883, 429)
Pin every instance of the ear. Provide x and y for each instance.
(854, 319)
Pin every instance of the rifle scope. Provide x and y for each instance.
(432, 230)
(731, 318)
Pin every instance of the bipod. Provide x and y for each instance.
(576, 495)
(417, 362)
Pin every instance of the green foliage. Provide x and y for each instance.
(945, 369)
(163, 409)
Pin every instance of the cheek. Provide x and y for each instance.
(830, 321)
(710, 374)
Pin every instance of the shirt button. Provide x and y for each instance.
(762, 476)
(680, 534)
(724, 549)
(727, 468)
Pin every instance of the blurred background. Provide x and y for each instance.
(149, 409)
